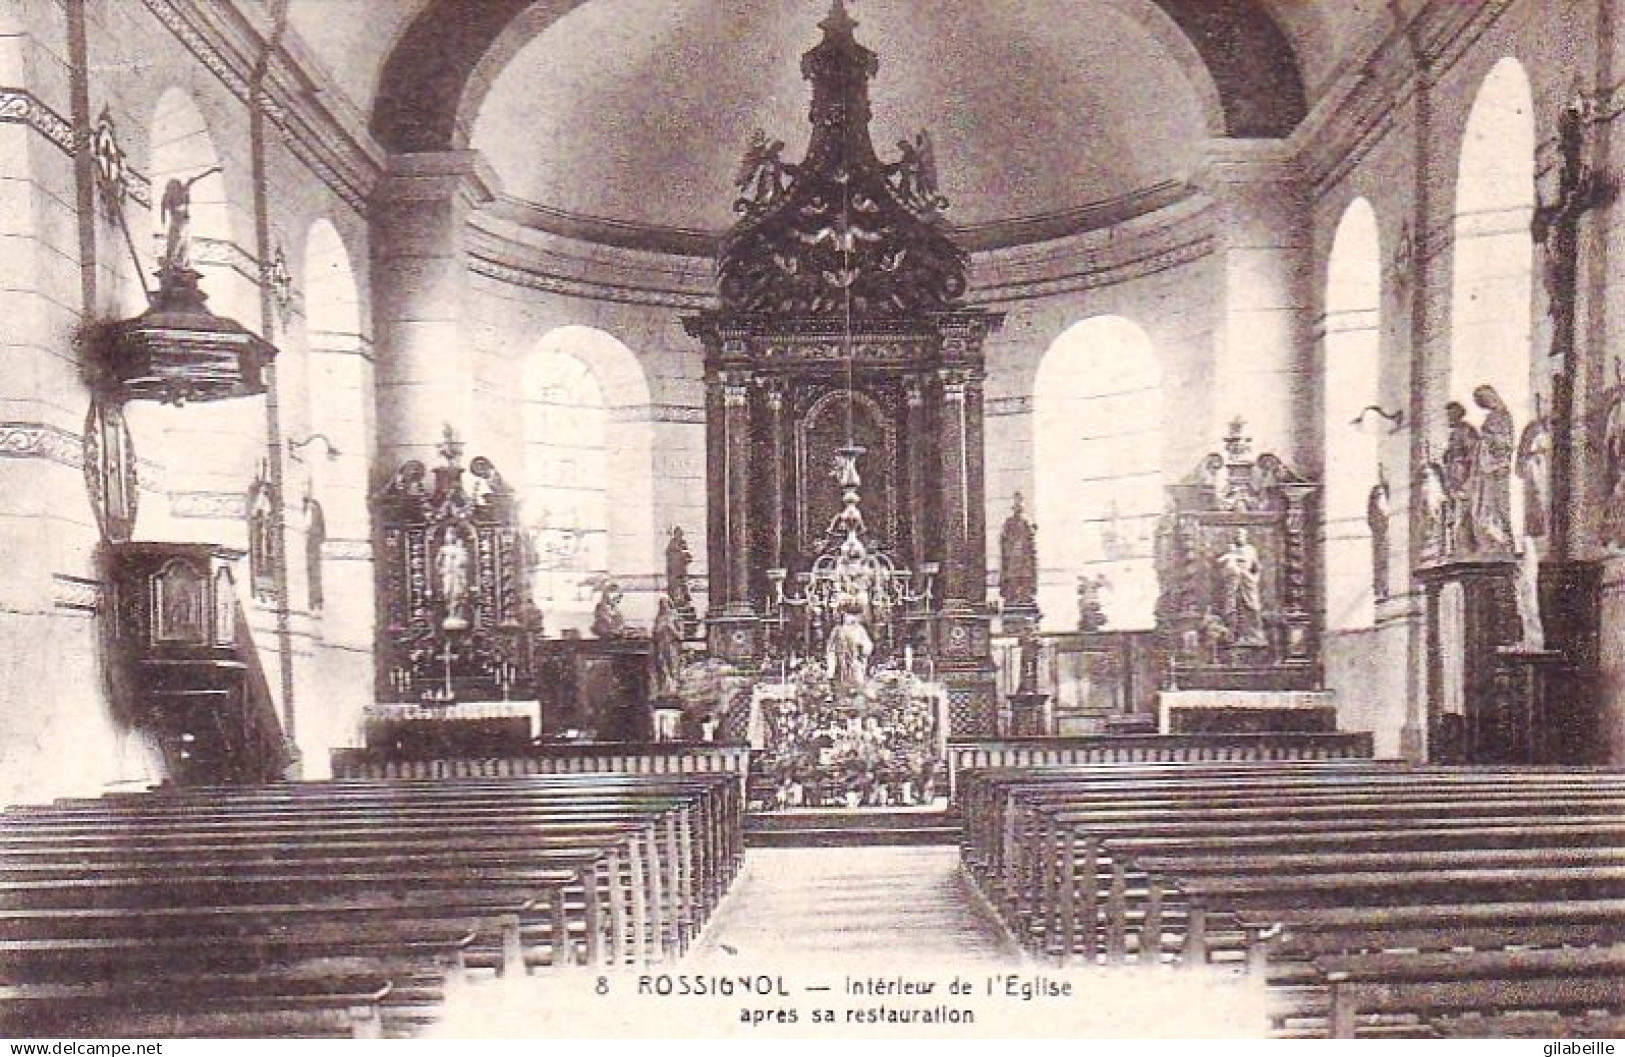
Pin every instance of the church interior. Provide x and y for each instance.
(492, 487)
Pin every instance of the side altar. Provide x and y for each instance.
(1238, 617)
(457, 631)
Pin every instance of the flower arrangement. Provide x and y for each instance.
(875, 748)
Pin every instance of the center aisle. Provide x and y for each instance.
(843, 906)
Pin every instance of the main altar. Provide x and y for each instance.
(847, 537)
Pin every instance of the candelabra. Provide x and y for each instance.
(851, 574)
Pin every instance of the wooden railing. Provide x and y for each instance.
(654, 758)
(1152, 748)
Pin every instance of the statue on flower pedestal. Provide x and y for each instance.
(847, 654)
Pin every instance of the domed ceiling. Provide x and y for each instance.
(638, 111)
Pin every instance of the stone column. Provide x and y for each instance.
(736, 455)
(773, 505)
(957, 560)
(425, 368)
(915, 433)
(1263, 352)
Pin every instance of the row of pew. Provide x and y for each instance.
(345, 909)
(1371, 899)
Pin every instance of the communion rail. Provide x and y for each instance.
(584, 758)
(1151, 748)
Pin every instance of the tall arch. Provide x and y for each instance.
(1493, 264)
(1352, 383)
(588, 486)
(1097, 462)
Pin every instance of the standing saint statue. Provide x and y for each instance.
(677, 561)
(451, 569)
(1534, 465)
(1490, 486)
(1241, 604)
(846, 653)
(1376, 519)
(666, 652)
(1527, 595)
(1460, 453)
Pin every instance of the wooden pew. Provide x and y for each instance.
(1491, 983)
(1293, 839)
(372, 870)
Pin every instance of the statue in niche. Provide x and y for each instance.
(261, 539)
(847, 652)
(666, 652)
(1018, 558)
(1376, 519)
(1534, 466)
(1490, 486)
(678, 558)
(1241, 604)
(1460, 454)
(1526, 588)
(607, 621)
(451, 573)
(1091, 615)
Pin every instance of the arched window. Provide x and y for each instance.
(566, 498)
(340, 388)
(1352, 348)
(588, 494)
(1097, 457)
(1492, 288)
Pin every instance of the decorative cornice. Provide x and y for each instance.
(18, 106)
(505, 251)
(224, 253)
(221, 506)
(1356, 112)
(1088, 272)
(75, 592)
(347, 550)
(996, 406)
(39, 440)
(679, 413)
(218, 36)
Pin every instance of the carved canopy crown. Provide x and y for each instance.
(842, 227)
(1235, 480)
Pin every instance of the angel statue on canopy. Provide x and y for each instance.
(914, 175)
